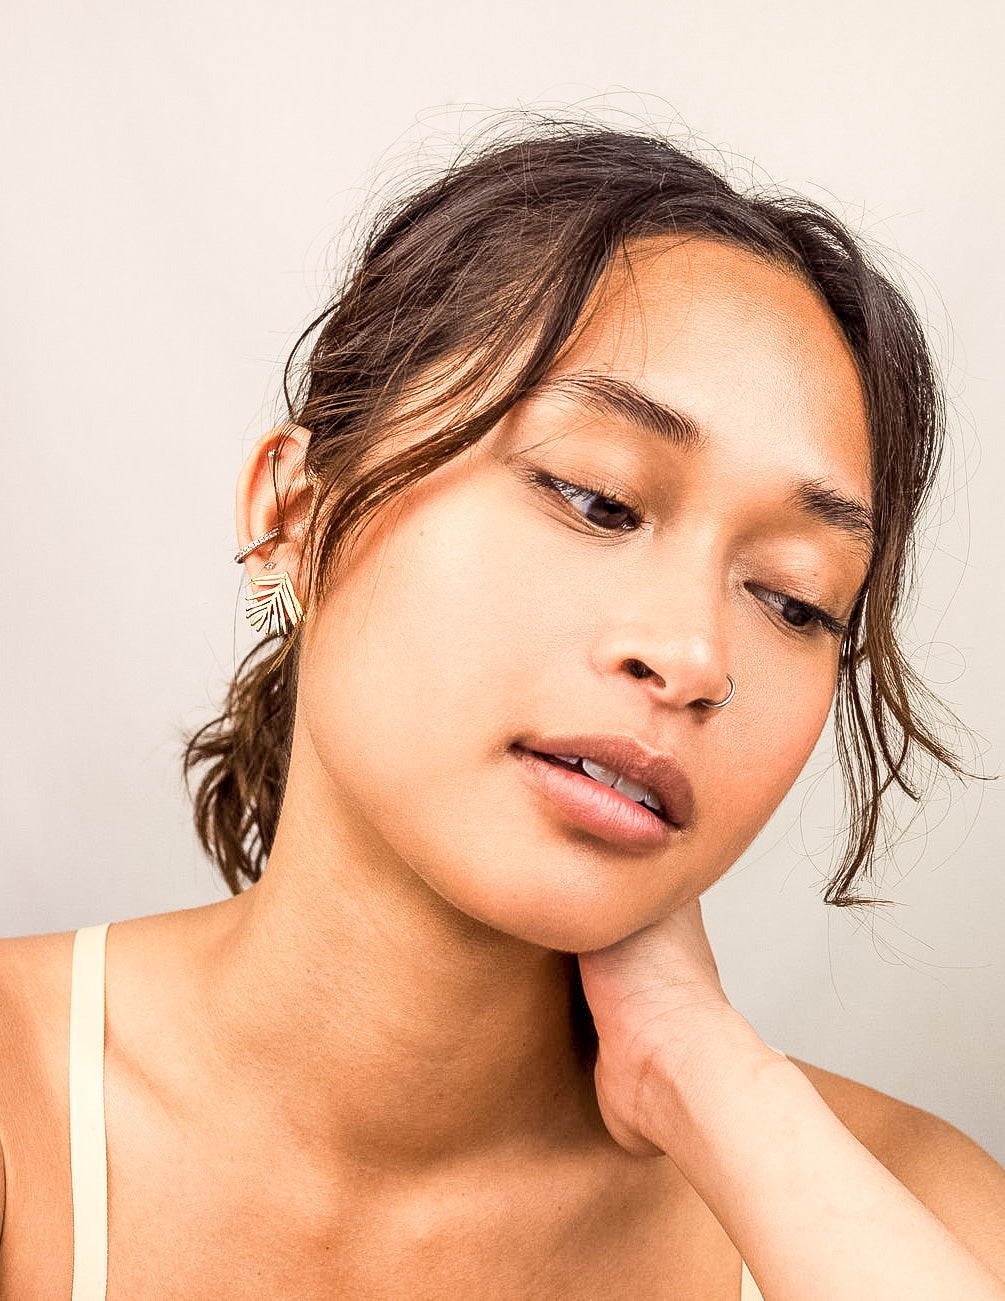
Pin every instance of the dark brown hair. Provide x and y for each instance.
(485, 274)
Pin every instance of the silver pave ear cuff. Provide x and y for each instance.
(718, 704)
(258, 542)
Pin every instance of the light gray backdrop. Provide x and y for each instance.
(173, 178)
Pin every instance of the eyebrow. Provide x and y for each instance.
(622, 400)
(832, 507)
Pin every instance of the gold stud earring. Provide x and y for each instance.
(272, 603)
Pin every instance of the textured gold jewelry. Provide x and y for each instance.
(272, 604)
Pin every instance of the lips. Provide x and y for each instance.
(657, 773)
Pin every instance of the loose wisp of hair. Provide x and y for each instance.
(459, 302)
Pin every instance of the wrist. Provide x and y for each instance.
(697, 1078)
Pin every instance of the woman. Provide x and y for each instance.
(599, 484)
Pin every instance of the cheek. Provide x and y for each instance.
(771, 739)
(414, 661)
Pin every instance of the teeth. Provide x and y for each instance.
(625, 787)
(599, 774)
(621, 784)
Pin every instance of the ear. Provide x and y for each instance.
(273, 492)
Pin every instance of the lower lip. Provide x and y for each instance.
(593, 807)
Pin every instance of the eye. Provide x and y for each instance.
(596, 505)
(799, 614)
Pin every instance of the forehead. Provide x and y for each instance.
(746, 348)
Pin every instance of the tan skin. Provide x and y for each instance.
(358, 1077)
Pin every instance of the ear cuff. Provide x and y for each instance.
(253, 546)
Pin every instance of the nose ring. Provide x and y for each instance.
(718, 704)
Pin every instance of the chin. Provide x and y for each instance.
(568, 921)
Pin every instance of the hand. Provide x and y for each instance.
(679, 1071)
(654, 995)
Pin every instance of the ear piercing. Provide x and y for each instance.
(271, 605)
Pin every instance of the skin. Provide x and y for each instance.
(360, 1076)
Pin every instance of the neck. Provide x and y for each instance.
(382, 1019)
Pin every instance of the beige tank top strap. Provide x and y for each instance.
(749, 1290)
(88, 1162)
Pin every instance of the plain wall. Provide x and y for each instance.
(173, 179)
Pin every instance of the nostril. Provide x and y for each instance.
(637, 669)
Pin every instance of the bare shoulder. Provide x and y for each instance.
(955, 1178)
(34, 1005)
(34, 987)
(149, 958)
(34, 1021)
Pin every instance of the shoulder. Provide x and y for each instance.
(34, 1002)
(34, 1024)
(956, 1179)
(34, 989)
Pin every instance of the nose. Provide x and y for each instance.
(673, 645)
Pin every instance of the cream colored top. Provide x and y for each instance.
(88, 1158)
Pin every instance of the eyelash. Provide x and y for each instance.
(814, 618)
(567, 491)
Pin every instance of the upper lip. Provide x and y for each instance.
(657, 772)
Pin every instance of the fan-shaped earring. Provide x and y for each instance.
(272, 604)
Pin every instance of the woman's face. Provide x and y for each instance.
(578, 584)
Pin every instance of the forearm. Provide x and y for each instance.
(810, 1210)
